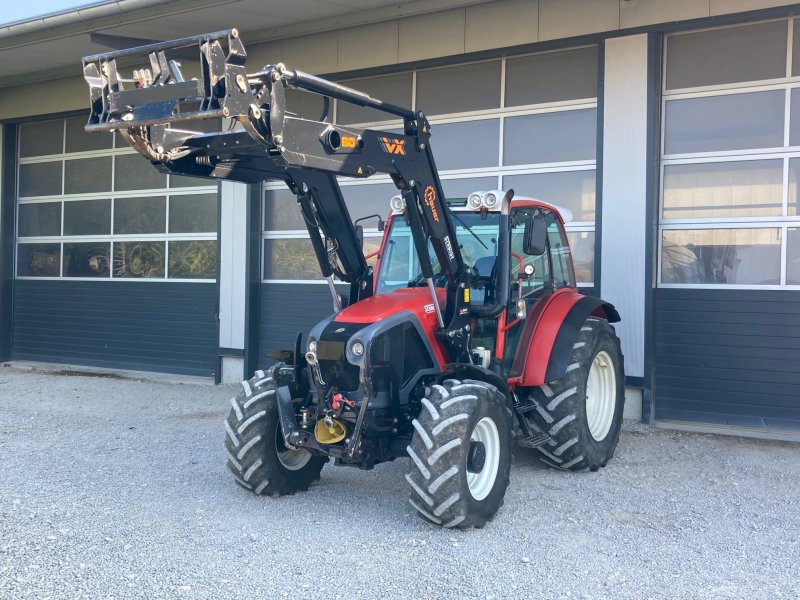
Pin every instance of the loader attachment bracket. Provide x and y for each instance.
(157, 93)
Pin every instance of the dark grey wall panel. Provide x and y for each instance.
(7, 220)
(288, 309)
(152, 326)
(729, 357)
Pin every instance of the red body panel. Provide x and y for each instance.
(415, 300)
(544, 336)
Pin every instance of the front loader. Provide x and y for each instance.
(468, 335)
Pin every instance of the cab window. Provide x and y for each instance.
(541, 266)
(559, 253)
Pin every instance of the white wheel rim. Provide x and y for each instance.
(601, 396)
(291, 460)
(481, 484)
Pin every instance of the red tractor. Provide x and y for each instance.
(467, 335)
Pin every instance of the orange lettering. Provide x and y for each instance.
(430, 197)
(393, 146)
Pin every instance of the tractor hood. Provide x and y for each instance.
(392, 329)
(376, 308)
(385, 307)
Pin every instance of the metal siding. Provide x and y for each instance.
(723, 7)
(624, 207)
(315, 53)
(288, 309)
(233, 264)
(728, 357)
(382, 39)
(158, 326)
(8, 137)
(432, 35)
(559, 19)
(518, 20)
(38, 98)
(647, 12)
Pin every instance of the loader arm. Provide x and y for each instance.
(150, 110)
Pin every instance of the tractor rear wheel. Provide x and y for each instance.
(257, 455)
(460, 454)
(582, 411)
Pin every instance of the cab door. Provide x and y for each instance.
(533, 288)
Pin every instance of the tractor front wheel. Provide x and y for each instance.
(582, 411)
(257, 455)
(460, 454)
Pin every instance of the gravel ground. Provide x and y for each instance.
(115, 488)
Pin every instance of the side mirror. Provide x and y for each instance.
(360, 236)
(381, 222)
(534, 240)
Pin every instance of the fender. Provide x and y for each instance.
(555, 333)
(468, 371)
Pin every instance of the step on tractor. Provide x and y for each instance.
(466, 336)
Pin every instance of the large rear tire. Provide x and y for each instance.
(460, 454)
(582, 411)
(257, 455)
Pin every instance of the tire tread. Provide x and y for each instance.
(250, 439)
(438, 449)
(559, 411)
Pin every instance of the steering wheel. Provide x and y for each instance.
(419, 281)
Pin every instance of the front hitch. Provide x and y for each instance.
(295, 436)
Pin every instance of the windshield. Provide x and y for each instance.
(399, 267)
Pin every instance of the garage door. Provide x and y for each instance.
(530, 125)
(115, 262)
(727, 330)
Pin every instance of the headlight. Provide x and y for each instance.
(312, 346)
(357, 348)
(398, 204)
(483, 200)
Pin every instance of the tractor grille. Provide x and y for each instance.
(333, 365)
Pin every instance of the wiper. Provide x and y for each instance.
(464, 225)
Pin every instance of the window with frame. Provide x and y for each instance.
(531, 125)
(88, 207)
(560, 256)
(519, 259)
(730, 151)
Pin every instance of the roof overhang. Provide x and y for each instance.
(50, 47)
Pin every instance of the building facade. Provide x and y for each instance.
(670, 129)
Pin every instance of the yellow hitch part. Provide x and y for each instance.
(329, 435)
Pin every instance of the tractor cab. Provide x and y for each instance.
(534, 271)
